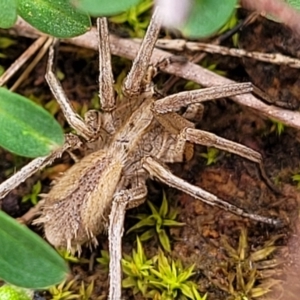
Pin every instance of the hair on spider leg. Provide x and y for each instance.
(53, 50)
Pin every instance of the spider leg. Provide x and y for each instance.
(159, 172)
(174, 146)
(72, 117)
(134, 80)
(106, 88)
(71, 142)
(208, 139)
(175, 102)
(122, 200)
(163, 110)
(176, 124)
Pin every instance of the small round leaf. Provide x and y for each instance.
(104, 7)
(294, 3)
(207, 16)
(8, 13)
(27, 129)
(26, 260)
(54, 17)
(11, 292)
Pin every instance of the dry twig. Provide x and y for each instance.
(273, 58)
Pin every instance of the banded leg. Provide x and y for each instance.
(208, 139)
(204, 138)
(71, 142)
(164, 109)
(133, 82)
(106, 88)
(156, 170)
(175, 102)
(74, 120)
(120, 203)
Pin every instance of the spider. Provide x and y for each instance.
(128, 142)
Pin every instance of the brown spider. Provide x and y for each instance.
(128, 141)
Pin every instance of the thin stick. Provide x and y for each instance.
(20, 61)
(273, 58)
(72, 142)
(28, 70)
(106, 88)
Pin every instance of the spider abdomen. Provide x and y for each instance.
(77, 206)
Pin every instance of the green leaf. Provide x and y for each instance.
(173, 212)
(104, 7)
(142, 286)
(140, 251)
(187, 291)
(54, 17)
(128, 282)
(6, 42)
(11, 292)
(139, 216)
(25, 128)
(296, 177)
(149, 221)
(164, 266)
(26, 260)
(174, 270)
(183, 276)
(163, 210)
(156, 273)
(294, 3)
(126, 267)
(164, 240)
(33, 196)
(147, 235)
(8, 13)
(196, 293)
(153, 209)
(207, 16)
(167, 222)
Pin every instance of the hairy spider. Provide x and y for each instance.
(129, 141)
